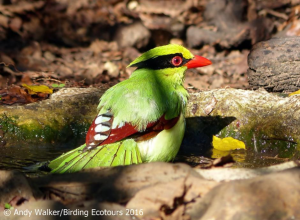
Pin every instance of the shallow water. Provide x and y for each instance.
(194, 147)
(242, 158)
(21, 158)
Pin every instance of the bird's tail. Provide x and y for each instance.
(120, 153)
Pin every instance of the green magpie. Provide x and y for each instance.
(140, 119)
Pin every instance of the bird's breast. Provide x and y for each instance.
(165, 145)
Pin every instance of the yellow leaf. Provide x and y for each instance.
(294, 93)
(37, 89)
(227, 144)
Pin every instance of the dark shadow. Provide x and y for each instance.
(199, 132)
(101, 184)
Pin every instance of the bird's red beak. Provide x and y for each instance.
(198, 61)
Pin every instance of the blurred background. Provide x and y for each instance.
(81, 43)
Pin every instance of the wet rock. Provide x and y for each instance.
(132, 35)
(35, 120)
(273, 196)
(274, 65)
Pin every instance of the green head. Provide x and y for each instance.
(154, 89)
(169, 59)
(161, 72)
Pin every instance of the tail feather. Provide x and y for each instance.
(120, 153)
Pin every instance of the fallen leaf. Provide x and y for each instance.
(227, 144)
(38, 89)
(14, 94)
(17, 95)
(294, 93)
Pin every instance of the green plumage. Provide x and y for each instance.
(146, 96)
(75, 160)
(143, 98)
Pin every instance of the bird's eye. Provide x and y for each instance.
(177, 60)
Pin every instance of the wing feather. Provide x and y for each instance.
(121, 153)
(119, 133)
